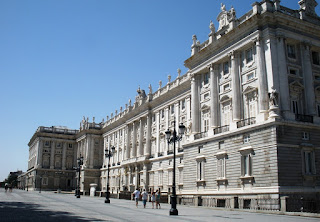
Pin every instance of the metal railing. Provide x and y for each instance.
(302, 204)
(200, 135)
(246, 122)
(221, 129)
(304, 118)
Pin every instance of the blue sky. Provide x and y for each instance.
(61, 60)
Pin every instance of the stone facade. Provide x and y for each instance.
(251, 106)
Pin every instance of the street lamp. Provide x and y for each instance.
(173, 139)
(40, 184)
(80, 162)
(108, 154)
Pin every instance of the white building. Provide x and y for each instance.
(251, 105)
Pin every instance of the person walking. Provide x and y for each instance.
(158, 195)
(153, 199)
(144, 195)
(136, 194)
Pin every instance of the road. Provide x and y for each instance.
(24, 206)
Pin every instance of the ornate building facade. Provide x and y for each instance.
(250, 102)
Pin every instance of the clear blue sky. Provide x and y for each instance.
(61, 60)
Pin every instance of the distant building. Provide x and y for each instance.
(251, 105)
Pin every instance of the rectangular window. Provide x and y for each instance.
(172, 109)
(221, 167)
(160, 178)
(246, 138)
(318, 108)
(56, 182)
(183, 104)
(250, 76)
(70, 145)
(295, 107)
(291, 49)
(226, 87)
(162, 114)
(206, 78)
(169, 177)
(206, 125)
(315, 58)
(45, 181)
(246, 164)
(226, 114)
(47, 143)
(180, 178)
(309, 162)
(58, 145)
(226, 68)
(151, 179)
(200, 170)
(305, 135)
(221, 145)
(249, 55)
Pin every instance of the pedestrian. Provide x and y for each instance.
(144, 196)
(153, 199)
(6, 187)
(158, 195)
(136, 194)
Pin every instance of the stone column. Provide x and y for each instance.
(195, 106)
(64, 155)
(141, 135)
(145, 177)
(134, 144)
(52, 154)
(283, 76)
(128, 143)
(91, 151)
(262, 78)
(158, 132)
(167, 116)
(236, 94)
(40, 153)
(118, 142)
(123, 143)
(147, 151)
(308, 79)
(214, 90)
(188, 110)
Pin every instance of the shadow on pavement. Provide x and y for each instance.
(19, 211)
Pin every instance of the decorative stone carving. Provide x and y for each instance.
(150, 89)
(179, 72)
(226, 17)
(308, 6)
(169, 78)
(160, 84)
(212, 27)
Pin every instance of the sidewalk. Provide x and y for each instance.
(33, 206)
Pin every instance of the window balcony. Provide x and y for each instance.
(246, 122)
(200, 135)
(221, 129)
(304, 118)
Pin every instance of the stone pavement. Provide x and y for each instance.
(24, 206)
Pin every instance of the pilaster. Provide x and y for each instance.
(195, 105)
(236, 94)
(64, 155)
(52, 154)
(214, 91)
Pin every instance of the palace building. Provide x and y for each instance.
(250, 102)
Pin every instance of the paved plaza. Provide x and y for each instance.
(33, 206)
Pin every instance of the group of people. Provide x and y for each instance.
(154, 198)
(8, 186)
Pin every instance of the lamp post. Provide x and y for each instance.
(40, 184)
(108, 154)
(173, 139)
(80, 162)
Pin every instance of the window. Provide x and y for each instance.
(305, 135)
(295, 107)
(180, 177)
(246, 164)
(160, 177)
(315, 58)
(226, 68)
(221, 167)
(56, 182)
(206, 125)
(246, 138)
(45, 181)
(58, 145)
(250, 76)
(249, 55)
(162, 114)
(47, 143)
(172, 109)
(205, 78)
(200, 170)
(226, 87)
(221, 145)
(309, 162)
(318, 108)
(291, 49)
(183, 104)
(170, 177)
(151, 179)
(226, 114)
(293, 72)
(205, 96)
(70, 145)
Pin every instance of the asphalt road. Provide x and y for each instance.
(33, 206)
